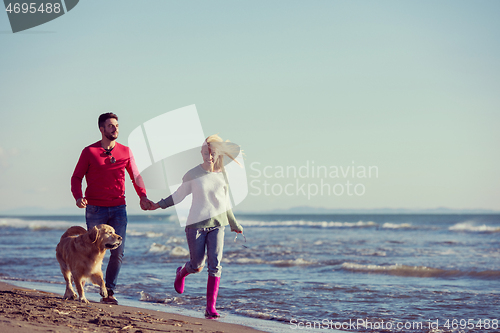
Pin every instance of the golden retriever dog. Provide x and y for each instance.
(80, 254)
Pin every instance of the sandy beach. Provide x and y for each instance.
(25, 310)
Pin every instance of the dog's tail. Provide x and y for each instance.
(73, 231)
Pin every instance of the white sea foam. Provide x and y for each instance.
(294, 262)
(397, 226)
(300, 223)
(36, 225)
(148, 234)
(179, 252)
(174, 251)
(472, 227)
(246, 261)
(146, 297)
(176, 240)
(279, 263)
(159, 248)
(400, 270)
(418, 271)
(370, 252)
(448, 252)
(261, 315)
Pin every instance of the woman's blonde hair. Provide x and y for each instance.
(222, 148)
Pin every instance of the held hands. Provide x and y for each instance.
(81, 203)
(146, 204)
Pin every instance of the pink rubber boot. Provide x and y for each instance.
(212, 291)
(179, 279)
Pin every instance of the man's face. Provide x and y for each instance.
(110, 129)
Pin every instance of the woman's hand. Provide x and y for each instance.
(237, 229)
(154, 206)
(146, 203)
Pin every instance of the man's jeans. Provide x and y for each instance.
(211, 238)
(117, 218)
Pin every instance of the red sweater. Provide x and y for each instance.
(105, 180)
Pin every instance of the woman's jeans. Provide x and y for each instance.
(117, 218)
(213, 240)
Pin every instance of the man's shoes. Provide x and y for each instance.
(109, 300)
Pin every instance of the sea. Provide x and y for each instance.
(351, 273)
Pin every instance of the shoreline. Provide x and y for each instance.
(25, 310)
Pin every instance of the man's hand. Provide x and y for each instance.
(81, 203)
(155, 206)
(146, 204)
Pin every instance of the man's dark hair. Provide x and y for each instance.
(105, 116)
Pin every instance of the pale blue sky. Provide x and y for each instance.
(409, 87)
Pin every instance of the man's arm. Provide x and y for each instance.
(138, 183)
(76, 180)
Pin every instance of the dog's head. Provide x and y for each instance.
(104, 237)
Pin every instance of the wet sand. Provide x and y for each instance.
(25, 311)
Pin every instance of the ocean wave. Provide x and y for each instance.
(178, 251)
(278, 263)
(148, 234)
(174, 251)
(261, 314)
(176, 240)
(36, 225)
(370, 252)
(8, 278)
(397, 226)
(418, 271)
(291, 263)
(472, 227)
(158, 248)
(302, 223)
(246, 261)
(146, 297)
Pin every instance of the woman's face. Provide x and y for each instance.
(208, 158)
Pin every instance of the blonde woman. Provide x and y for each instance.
(210, 212)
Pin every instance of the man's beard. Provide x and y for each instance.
(110, 136)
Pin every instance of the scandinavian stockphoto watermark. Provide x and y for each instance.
(437, 325)
(310, 180)
(167, 146)
(25, 15)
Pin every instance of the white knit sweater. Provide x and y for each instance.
(211, 206)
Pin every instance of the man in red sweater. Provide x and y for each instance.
(103, 165)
